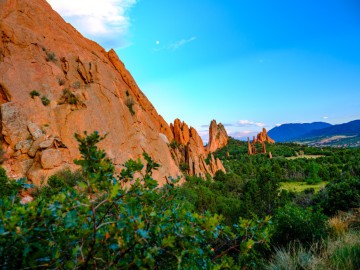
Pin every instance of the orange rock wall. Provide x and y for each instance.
(40, 51)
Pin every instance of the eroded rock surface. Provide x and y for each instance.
(189, 152)
(218, 137)
(54, 83)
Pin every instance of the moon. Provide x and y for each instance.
(157, 42)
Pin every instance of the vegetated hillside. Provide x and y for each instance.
(294, 131)
(351, 128)
(342, 135)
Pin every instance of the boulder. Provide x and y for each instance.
(23, 146)
(51, 158)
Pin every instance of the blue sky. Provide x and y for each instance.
(247, 64)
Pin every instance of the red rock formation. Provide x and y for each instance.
(218, 137)
(189, 152)
(180, 131)
(250, 148)
(40, 51)
(264, 137)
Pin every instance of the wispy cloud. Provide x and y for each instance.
(248, 123)
(242, 134)
(325, 117)
(176, 45)
(104, 21)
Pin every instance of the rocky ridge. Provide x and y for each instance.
(54, 83)
(189, 152)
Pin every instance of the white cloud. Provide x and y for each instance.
(247, 123)
(242, 135)
(176, 45)
(104, 21)
(325, 117)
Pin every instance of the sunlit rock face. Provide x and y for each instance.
(189, 152)
(54, 83)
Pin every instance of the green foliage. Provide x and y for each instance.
(50, 56)
(294, 223)
(184, 167)
(261, 195)
(130, 103)
(69, 98)
(338, 253)
(346, 256)
(34, 93)
(174, 144)
(221, 196)
(332, 165)
(99, 220)
(340, 195)
(313, 173)
(63, 181)
(10, 189)
(45, 101)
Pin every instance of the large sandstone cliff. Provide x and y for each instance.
(189, 152)
(80, 87)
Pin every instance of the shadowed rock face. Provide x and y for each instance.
(76, 86)
(218, 137)
(189, 152)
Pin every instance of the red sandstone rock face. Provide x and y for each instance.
(40, 51)
(218, 137)
(264, 137)
(190, 153)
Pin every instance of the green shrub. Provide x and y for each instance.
(174, 144)
(293, 223)
(184, 167)
(340, 195)
(45, 101)
(11, 188)
(50, 56)
(63, 180)
(261, 195)
(130, 103)
(69, 98)
(34, 93)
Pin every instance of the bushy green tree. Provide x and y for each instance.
(294, 223)
(340, 195)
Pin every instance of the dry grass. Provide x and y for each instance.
(305, 156)
(340, 252)
(338, 225)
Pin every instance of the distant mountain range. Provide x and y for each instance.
(319, 133)
(291, 132)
